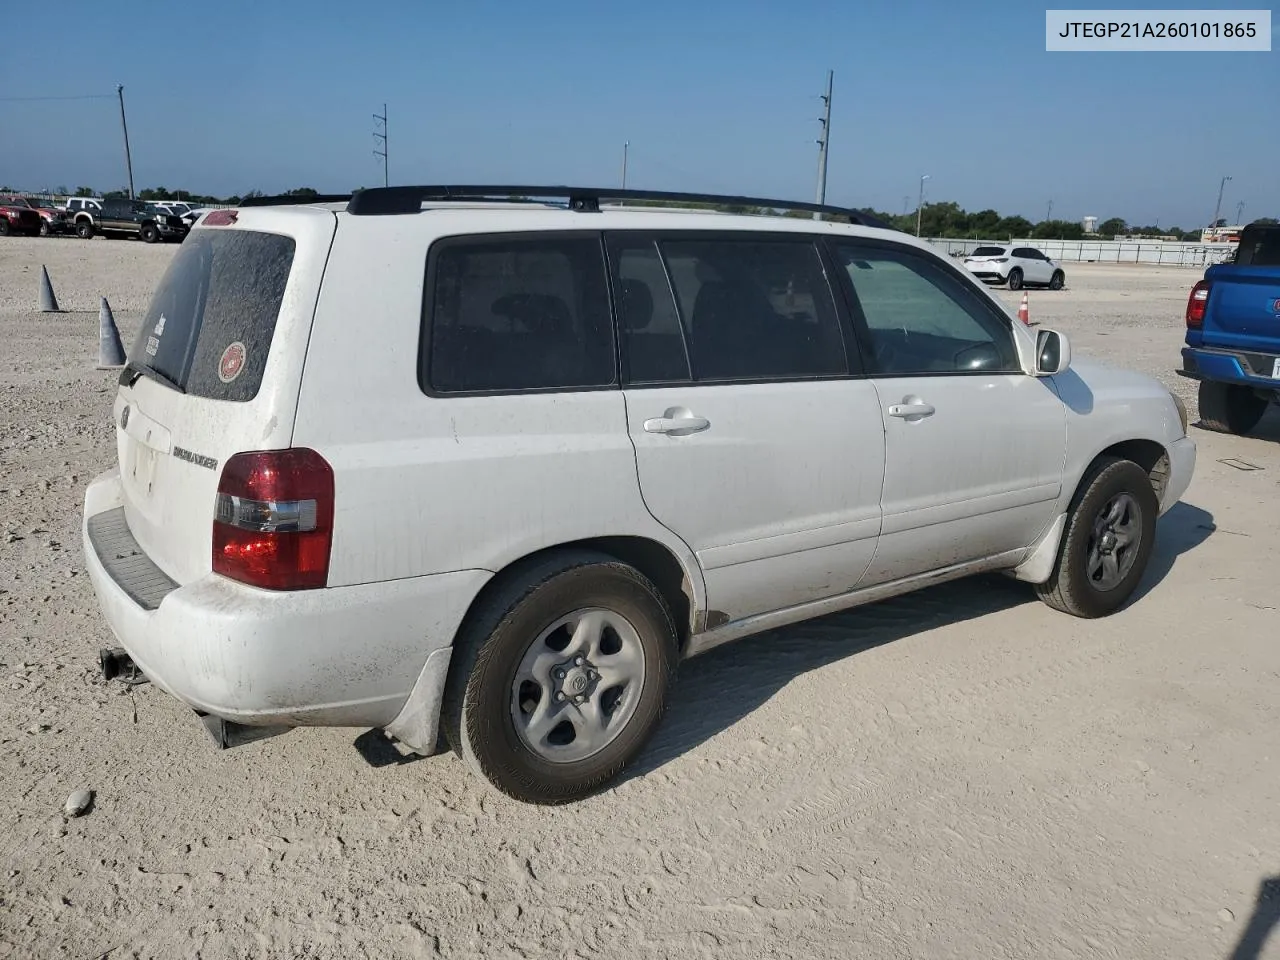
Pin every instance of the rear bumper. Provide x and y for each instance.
(342, 656)
(1230, 366)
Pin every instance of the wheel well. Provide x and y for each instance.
(648, 556)
(1150, 456)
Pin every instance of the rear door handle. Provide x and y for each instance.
(908, 411)
(677, 426)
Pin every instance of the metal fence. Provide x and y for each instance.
(1165, 253)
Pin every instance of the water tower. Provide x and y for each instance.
(1090, 224)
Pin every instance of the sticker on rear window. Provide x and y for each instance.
(153, 344)
(232, 362)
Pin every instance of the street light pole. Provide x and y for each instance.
(128, 159)
(1218, 209)
(1240, 212)
(920, 204)
(626, 145)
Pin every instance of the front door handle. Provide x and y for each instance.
(677, 422)
(911, 410)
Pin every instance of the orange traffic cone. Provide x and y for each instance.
(1024, 311)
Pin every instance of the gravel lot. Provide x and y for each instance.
(961, 773)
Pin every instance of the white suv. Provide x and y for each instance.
(1016, 266)
(424, 459)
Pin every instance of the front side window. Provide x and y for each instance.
(754, 308)
(513, 313)
(922, 320)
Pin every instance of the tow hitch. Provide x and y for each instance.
(116, 664)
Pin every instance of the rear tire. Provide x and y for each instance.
(84, 230)
(1107, 542)
(522, 630)
(1015, 279)
(1228, 408)
(4, 227)
(1057, 281)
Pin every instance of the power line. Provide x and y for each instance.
(87, 96)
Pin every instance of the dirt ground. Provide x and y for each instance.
(961, 773)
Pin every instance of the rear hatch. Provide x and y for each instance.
(986, 255)
(214, 371)
(1243, 310)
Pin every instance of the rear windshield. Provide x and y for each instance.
(988, 252)
(1259, 247)
(213, 317)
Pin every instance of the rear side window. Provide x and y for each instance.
(212, 319)
(755, 309)
(1259, 247)
(510, 313)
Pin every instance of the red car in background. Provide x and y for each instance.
(17, 217)
(51, 218)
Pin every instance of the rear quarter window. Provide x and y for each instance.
(212, 320)
(512, 313)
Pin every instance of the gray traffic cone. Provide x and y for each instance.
(110, 352)
(48, 302)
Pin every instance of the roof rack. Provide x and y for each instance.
(289, 199)
(381, 201)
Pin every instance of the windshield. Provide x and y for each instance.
(988, 252)
(213, 317)
(44, 204)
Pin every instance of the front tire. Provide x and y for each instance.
(1229, 408)
(149, 233)
(1015, 279)
(4, 227)
(1107, 543)
(1058, 280)
(560, 676)
(44, 229)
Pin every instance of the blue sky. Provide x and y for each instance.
(230, 96)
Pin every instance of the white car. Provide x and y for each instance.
(424, 460)
(1016, 266)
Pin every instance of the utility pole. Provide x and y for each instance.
(1240, 212)
(920, 204)
(906, 204)
(128, 160)
(825, 120)
(626, 145)
(380, 120)
(1218, 209)
(1049, 215)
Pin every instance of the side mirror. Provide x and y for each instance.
(1053, 353)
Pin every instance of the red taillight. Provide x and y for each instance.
(1196, 304)
(273, 522)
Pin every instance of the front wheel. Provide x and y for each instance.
(149, 233)
(84, 230)
(1015, 279)
(559, 678)
(1107, 542)
(4, 227)
(1229, 408)
(1057, 281)
(44, 228)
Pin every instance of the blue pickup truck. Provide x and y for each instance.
(1233, 334)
